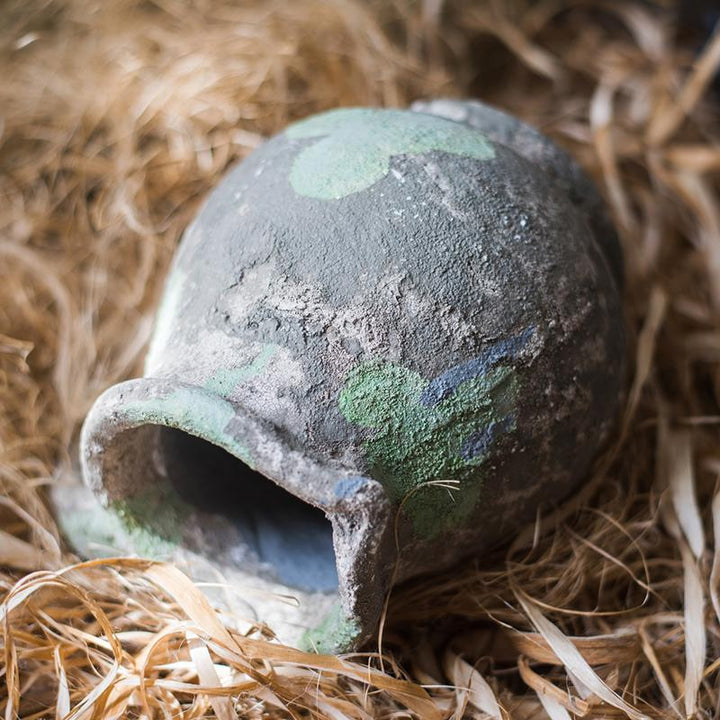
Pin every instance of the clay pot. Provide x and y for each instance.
(381, 320)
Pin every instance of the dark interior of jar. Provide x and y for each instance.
(290, 536)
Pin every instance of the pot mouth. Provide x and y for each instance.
(195, 472)
(288, 539)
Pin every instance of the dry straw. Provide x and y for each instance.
(116, 118)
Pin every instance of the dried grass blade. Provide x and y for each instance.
(622, 646)
(47, 539)
(715, 571)
(12, 675)
(574, 661)
(662, 680)
(18, 349)
(190, 599)
(666, 123)
(411, 695)
(43, 272)
(671, 446)
(553, 708)
(336, 709)
(194, 603)
(695, 639)
(62, 706)
(649, 34)
(535, 57)
(18, 554)
(681, 481)
(645, 352)
(601, 122)
(87, 704)
(546, 690)
(694, 158)
(479, 694)
(207, 675)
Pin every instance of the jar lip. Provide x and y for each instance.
(121, 465)
(226, 424)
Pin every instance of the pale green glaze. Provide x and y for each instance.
(100, 532)
(413, 443)
(194, 410)
(357, 144)
(224, 381)
(336, 633)
(202, 411)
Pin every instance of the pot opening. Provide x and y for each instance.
(284, 532)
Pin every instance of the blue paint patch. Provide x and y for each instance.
(479, 442)
(348, 486)
(443, 386)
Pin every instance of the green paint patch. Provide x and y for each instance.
(224, 381)
(357, 144)
(154, 517)
(101, 532)
(429, 455)
(336, 633)
(194, 410)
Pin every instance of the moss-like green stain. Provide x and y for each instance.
(154, 519)
(102, 532)
(336, 633)
(357, 143)
(440, 431)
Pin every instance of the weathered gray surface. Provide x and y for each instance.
(376, 309)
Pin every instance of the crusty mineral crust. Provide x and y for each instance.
(383, 311)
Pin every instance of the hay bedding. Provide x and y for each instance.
(117, 117)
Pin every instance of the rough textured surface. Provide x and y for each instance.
(383, 311)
